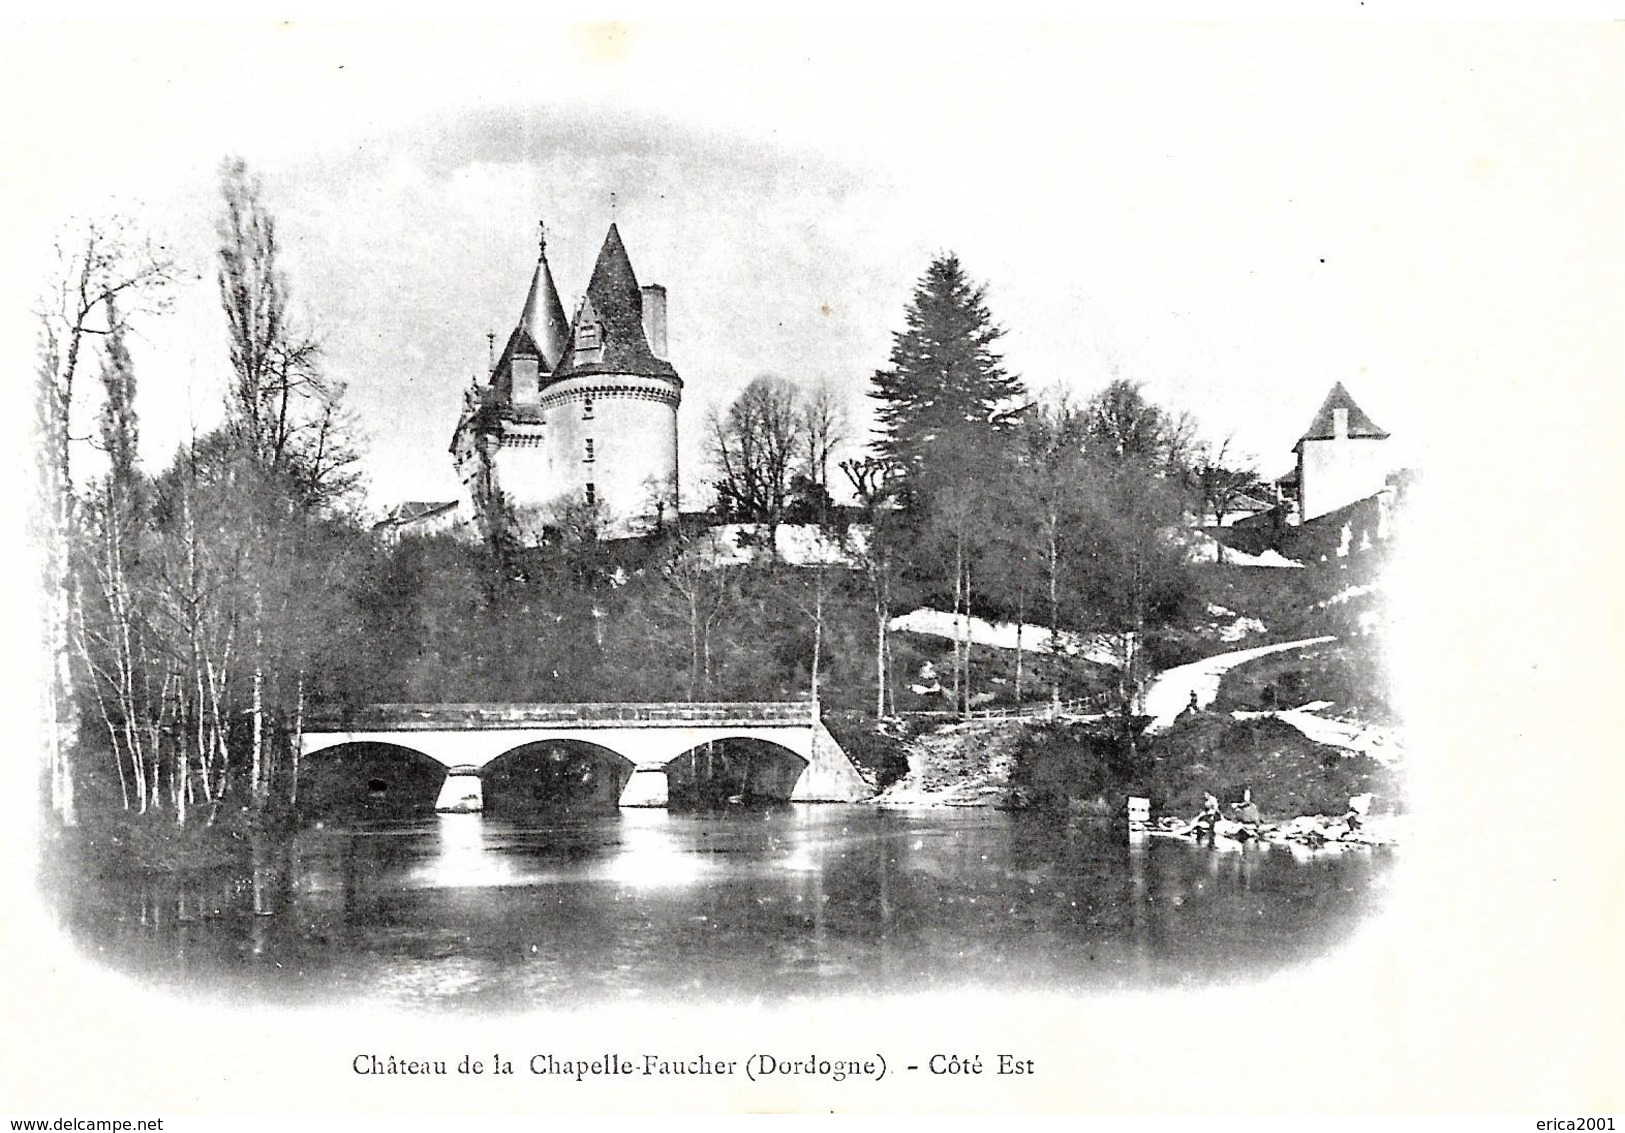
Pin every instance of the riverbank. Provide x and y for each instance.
(965, 764)
(1091, 765)
(117, 844)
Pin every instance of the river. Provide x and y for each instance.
(461, 911)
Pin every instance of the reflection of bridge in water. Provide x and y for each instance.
(496, 755)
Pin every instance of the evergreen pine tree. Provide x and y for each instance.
(946, 402)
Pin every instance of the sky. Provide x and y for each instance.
(1235, 215)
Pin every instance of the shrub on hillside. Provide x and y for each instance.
(1288, 773)
(878, 754)
(1284, 600)
(1068, 766)
(1060, 766)
(1349, 673)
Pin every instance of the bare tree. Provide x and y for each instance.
(290, 421)
(1122, 426)
(1130, 572)
(1221, 480)
(1052, 474)
(705, 593)
(958, 512)
(814, 596)
(289, 412)
(825, 421)
(965, 520)
(875, 480)
(754, 447)
(108, 600)
(103, 275)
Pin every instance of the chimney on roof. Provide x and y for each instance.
(654, 318)
(527, 383)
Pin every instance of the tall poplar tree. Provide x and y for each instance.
(946, 401)
(288, 422)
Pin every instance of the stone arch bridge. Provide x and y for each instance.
(640, 749)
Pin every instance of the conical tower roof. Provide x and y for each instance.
(542, 333)
(1323, 427)
(543, 317)
(616, 301)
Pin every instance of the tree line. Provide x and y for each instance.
(197, 616)
(985, 500)
(183, 609)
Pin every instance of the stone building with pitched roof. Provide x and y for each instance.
(1341, 457)
(577, 418)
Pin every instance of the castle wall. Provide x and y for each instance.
(631, 423)
(465, 461)
(520, 469)
(1339, 471)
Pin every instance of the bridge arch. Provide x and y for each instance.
(367, 779)
(736, 768)
(552, 773)
(654, 738)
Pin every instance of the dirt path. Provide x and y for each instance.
(1170, 690)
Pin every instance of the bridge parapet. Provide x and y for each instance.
(473, 717)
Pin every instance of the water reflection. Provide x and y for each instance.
(467, 910)
(646, 856)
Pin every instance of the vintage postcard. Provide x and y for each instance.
(837, 567)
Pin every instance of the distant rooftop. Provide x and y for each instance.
(413, 511)
(1322, 428)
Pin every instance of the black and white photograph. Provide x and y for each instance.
(837, 567)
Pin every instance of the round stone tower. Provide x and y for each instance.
(577, 422)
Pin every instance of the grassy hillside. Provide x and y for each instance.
(1349, 673)
(993, 674)
(1068, 766)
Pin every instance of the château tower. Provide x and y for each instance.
(1340, 457)
(576, 419)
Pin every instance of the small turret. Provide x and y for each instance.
(543, 316)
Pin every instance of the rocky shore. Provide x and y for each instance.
(1068, 766)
